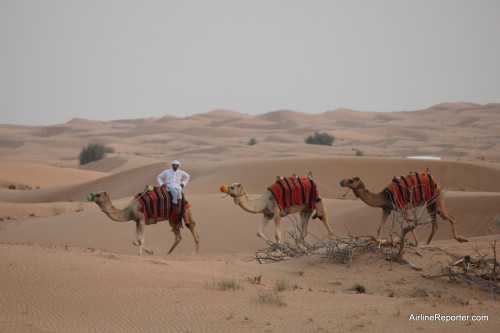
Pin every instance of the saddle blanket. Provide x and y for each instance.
(414, 188)
(157, 204)
(294, 191)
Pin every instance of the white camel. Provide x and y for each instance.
(134, 212)
(267, 205)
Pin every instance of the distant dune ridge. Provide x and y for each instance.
(457, 131)
(69, 268)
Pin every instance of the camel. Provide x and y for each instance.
(383, 200)
(267, 205)
(134, 212)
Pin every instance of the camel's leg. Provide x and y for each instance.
(277, 227)
(305, 215)
(178, 239)
(321, 214)
(445, 214)
(385, 215)
(414, 236)
(328, 227)
(139, 237)
(453, 221)
(190, 223)
(432, 214)
(263, 224)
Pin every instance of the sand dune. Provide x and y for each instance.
(41, 176)
(69, 268)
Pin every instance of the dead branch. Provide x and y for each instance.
(342, 250)
(406, 220)
(476, 271)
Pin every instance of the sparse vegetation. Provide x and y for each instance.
(320, 139)
(80, 208)
(281, 285)
(18, 187)
(359, 152)
(420, 292)
(252, 142)
(357, 289)
(225, 284)
(270, 298)
(255, 279)
(58, 210)
(496, 220)
(458, 299)
(94, 152)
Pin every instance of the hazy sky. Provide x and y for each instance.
(122, 59)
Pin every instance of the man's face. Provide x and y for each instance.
(175, 167)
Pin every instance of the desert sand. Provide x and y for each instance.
(66, 267)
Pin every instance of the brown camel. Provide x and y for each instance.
(266, 205)
(134, 212)
(385, 200)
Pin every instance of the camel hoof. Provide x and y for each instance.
(462, 240)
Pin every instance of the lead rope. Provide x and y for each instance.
(332, 192)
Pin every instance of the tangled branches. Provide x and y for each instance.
(477, 270)
(342, 250)
(293, 246)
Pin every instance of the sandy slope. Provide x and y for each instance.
(68, 268)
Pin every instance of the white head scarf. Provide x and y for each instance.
(176, 162)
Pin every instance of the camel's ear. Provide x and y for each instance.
(355, 178)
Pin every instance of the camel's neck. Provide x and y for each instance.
(252, 206)
(118, 215)
(371, 199)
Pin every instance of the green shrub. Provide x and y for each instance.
(359, 153)
(252, 142)
(94, 152)
(320, 139)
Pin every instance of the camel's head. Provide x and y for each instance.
(97, 197)
(352, 183)
(234, 190)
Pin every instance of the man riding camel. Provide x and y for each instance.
(175, 180)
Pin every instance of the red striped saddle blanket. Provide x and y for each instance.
(294, 191)
(414, 188)
(156, 204)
